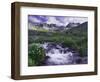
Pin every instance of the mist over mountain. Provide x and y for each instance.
(54, 23)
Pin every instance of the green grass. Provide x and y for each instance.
(70, 40)
(39, 29)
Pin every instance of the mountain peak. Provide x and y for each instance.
(72, 25)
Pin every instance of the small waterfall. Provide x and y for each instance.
(56, 54)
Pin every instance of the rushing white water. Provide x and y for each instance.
(57, 55)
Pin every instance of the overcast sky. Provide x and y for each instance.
(59, 20)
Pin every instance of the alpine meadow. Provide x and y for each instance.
(57, 40)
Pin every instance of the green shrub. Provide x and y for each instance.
(36, 55)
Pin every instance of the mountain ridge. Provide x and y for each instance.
(54, 27)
